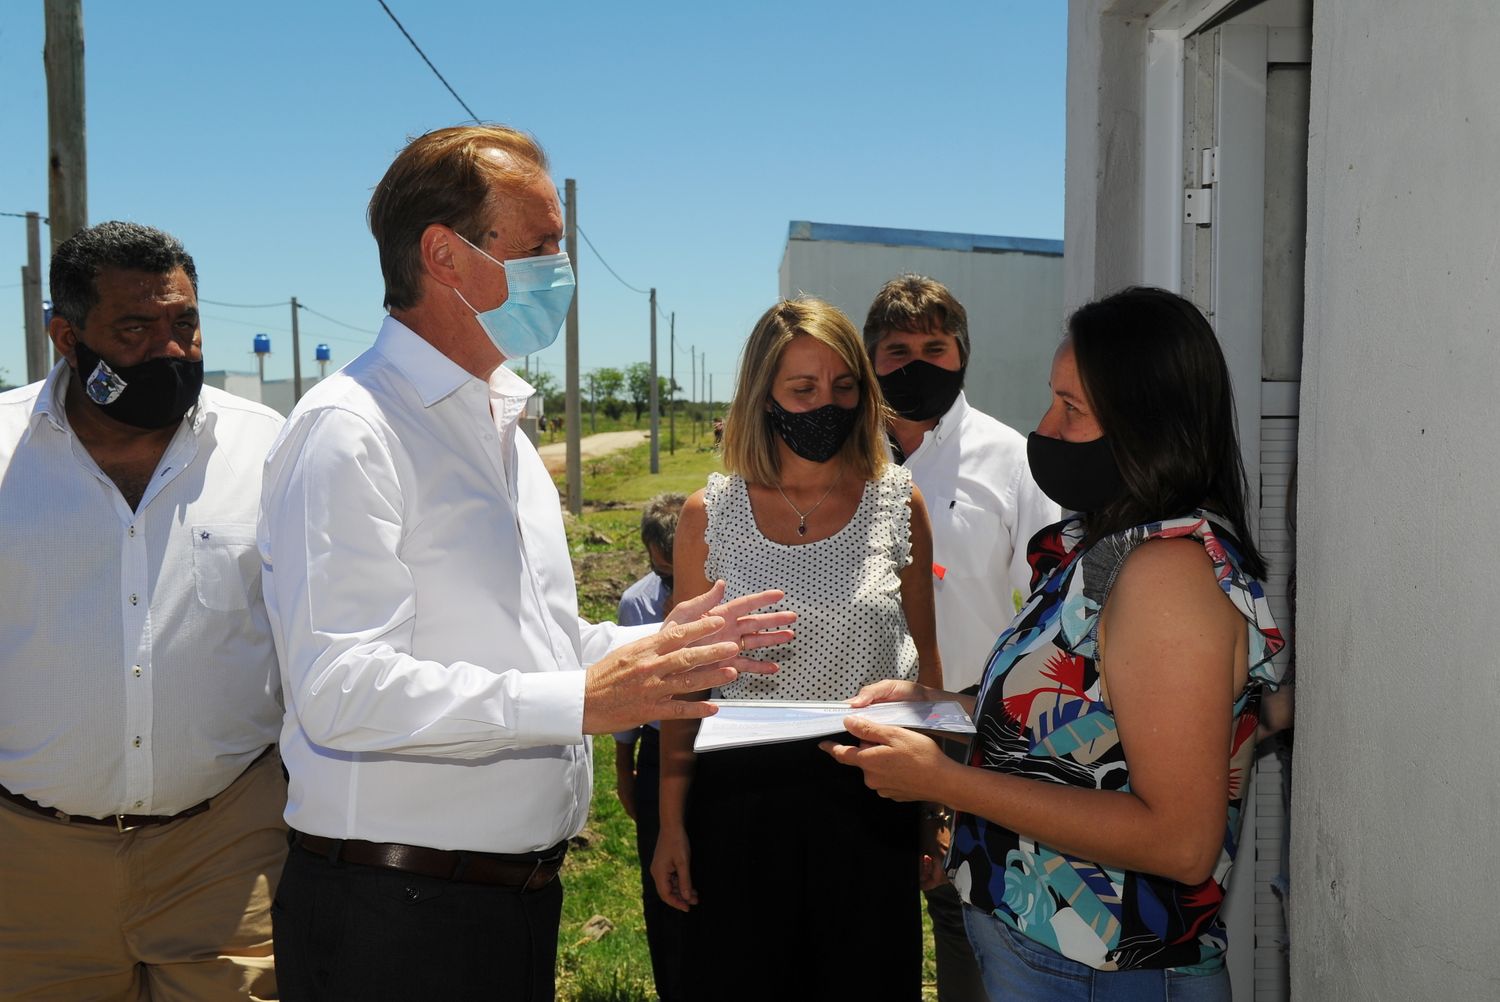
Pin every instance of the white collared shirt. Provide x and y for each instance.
(137, 673)
(985, 508)
(422, 599)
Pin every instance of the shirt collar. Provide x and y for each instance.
(51, 402)
(951, 419)
(433, 374)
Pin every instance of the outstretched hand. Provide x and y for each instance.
(748, 629)
(641, 681)
(898, 763)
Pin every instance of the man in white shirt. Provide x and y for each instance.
(438, 681)
(140, 800)
(984, 508)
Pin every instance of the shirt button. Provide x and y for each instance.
(137, 741)
(132, 532)
(140, 803)
(133, 599)
(137, 671)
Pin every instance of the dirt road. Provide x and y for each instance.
(555, 454)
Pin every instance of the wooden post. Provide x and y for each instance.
(67, 154)
(573, 416)
(38, 345)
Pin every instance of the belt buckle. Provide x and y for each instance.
(121, 826)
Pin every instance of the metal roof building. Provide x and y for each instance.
(1010, 286)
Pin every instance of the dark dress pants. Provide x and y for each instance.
(807, 881)
(350, 933)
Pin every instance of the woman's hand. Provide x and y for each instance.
(899, 764)
(893, 690)
(670, 868)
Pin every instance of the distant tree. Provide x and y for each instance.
(639, 378)
(543, 382)
(608, 382)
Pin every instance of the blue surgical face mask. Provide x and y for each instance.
(540, 291)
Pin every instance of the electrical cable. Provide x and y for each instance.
(246, 306)
(607, 268)
(431, 67)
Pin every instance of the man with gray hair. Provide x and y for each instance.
(440, 685)
(140, 798)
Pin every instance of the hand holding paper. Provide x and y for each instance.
(898, 763)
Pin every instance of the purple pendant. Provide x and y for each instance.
(802, 528)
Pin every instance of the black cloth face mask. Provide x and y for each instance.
(1079, 476)
(815, 435)
(153, 394)
(920, 391)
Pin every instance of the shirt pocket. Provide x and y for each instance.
(226, 566)
(964, 540)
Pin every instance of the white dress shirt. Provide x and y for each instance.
(422, 599)
(137, 673)
(985, 508)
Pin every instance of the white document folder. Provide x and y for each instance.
(744, 722)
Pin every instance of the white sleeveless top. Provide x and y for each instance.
(851, 629)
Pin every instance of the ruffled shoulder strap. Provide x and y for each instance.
(717, 502)
(893, 493)
(1093, 577)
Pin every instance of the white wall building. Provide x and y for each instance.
(1317, 176)
(1010, 286)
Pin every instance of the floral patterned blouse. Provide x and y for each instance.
(1041, 715)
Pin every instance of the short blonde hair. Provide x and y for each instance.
(750, 442)
(444, 177)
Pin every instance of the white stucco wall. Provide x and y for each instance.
(1396, 817)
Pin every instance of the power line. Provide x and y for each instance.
(281, 330)
(335, 320)
(245, 306)
(431, 67)
(23, 215)
(606, 264)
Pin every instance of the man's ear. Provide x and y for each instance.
(440, 257)
(64, 337)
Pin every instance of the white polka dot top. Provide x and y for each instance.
(850, 627)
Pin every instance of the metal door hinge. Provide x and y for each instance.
(1197, 206)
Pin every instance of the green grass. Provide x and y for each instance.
(602, 876)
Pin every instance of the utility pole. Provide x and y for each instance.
(672, 386)
(67, 161)
(655, 415)
(693, 392)
(296, 356)
(572, 415)
(38, 357)
(593, 406)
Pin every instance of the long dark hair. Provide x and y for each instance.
(1156, 378)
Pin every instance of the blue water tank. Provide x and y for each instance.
(263, 344)
(323, 353)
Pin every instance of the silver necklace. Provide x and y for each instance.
(802, 515)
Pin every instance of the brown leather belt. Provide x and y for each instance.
(119, 822)
(523, 872)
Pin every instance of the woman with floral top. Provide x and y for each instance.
(1098, 815)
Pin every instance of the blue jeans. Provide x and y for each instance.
(1016, 969)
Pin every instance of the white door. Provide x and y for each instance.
(1244, 92)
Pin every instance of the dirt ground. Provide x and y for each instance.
(555, 454)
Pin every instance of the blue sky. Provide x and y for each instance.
(696, 132)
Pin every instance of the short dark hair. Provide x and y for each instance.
(1153, 371)
(443, 177)
(917, 304)
(659, 521)
(115, 244)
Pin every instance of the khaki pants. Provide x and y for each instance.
(166, 912)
